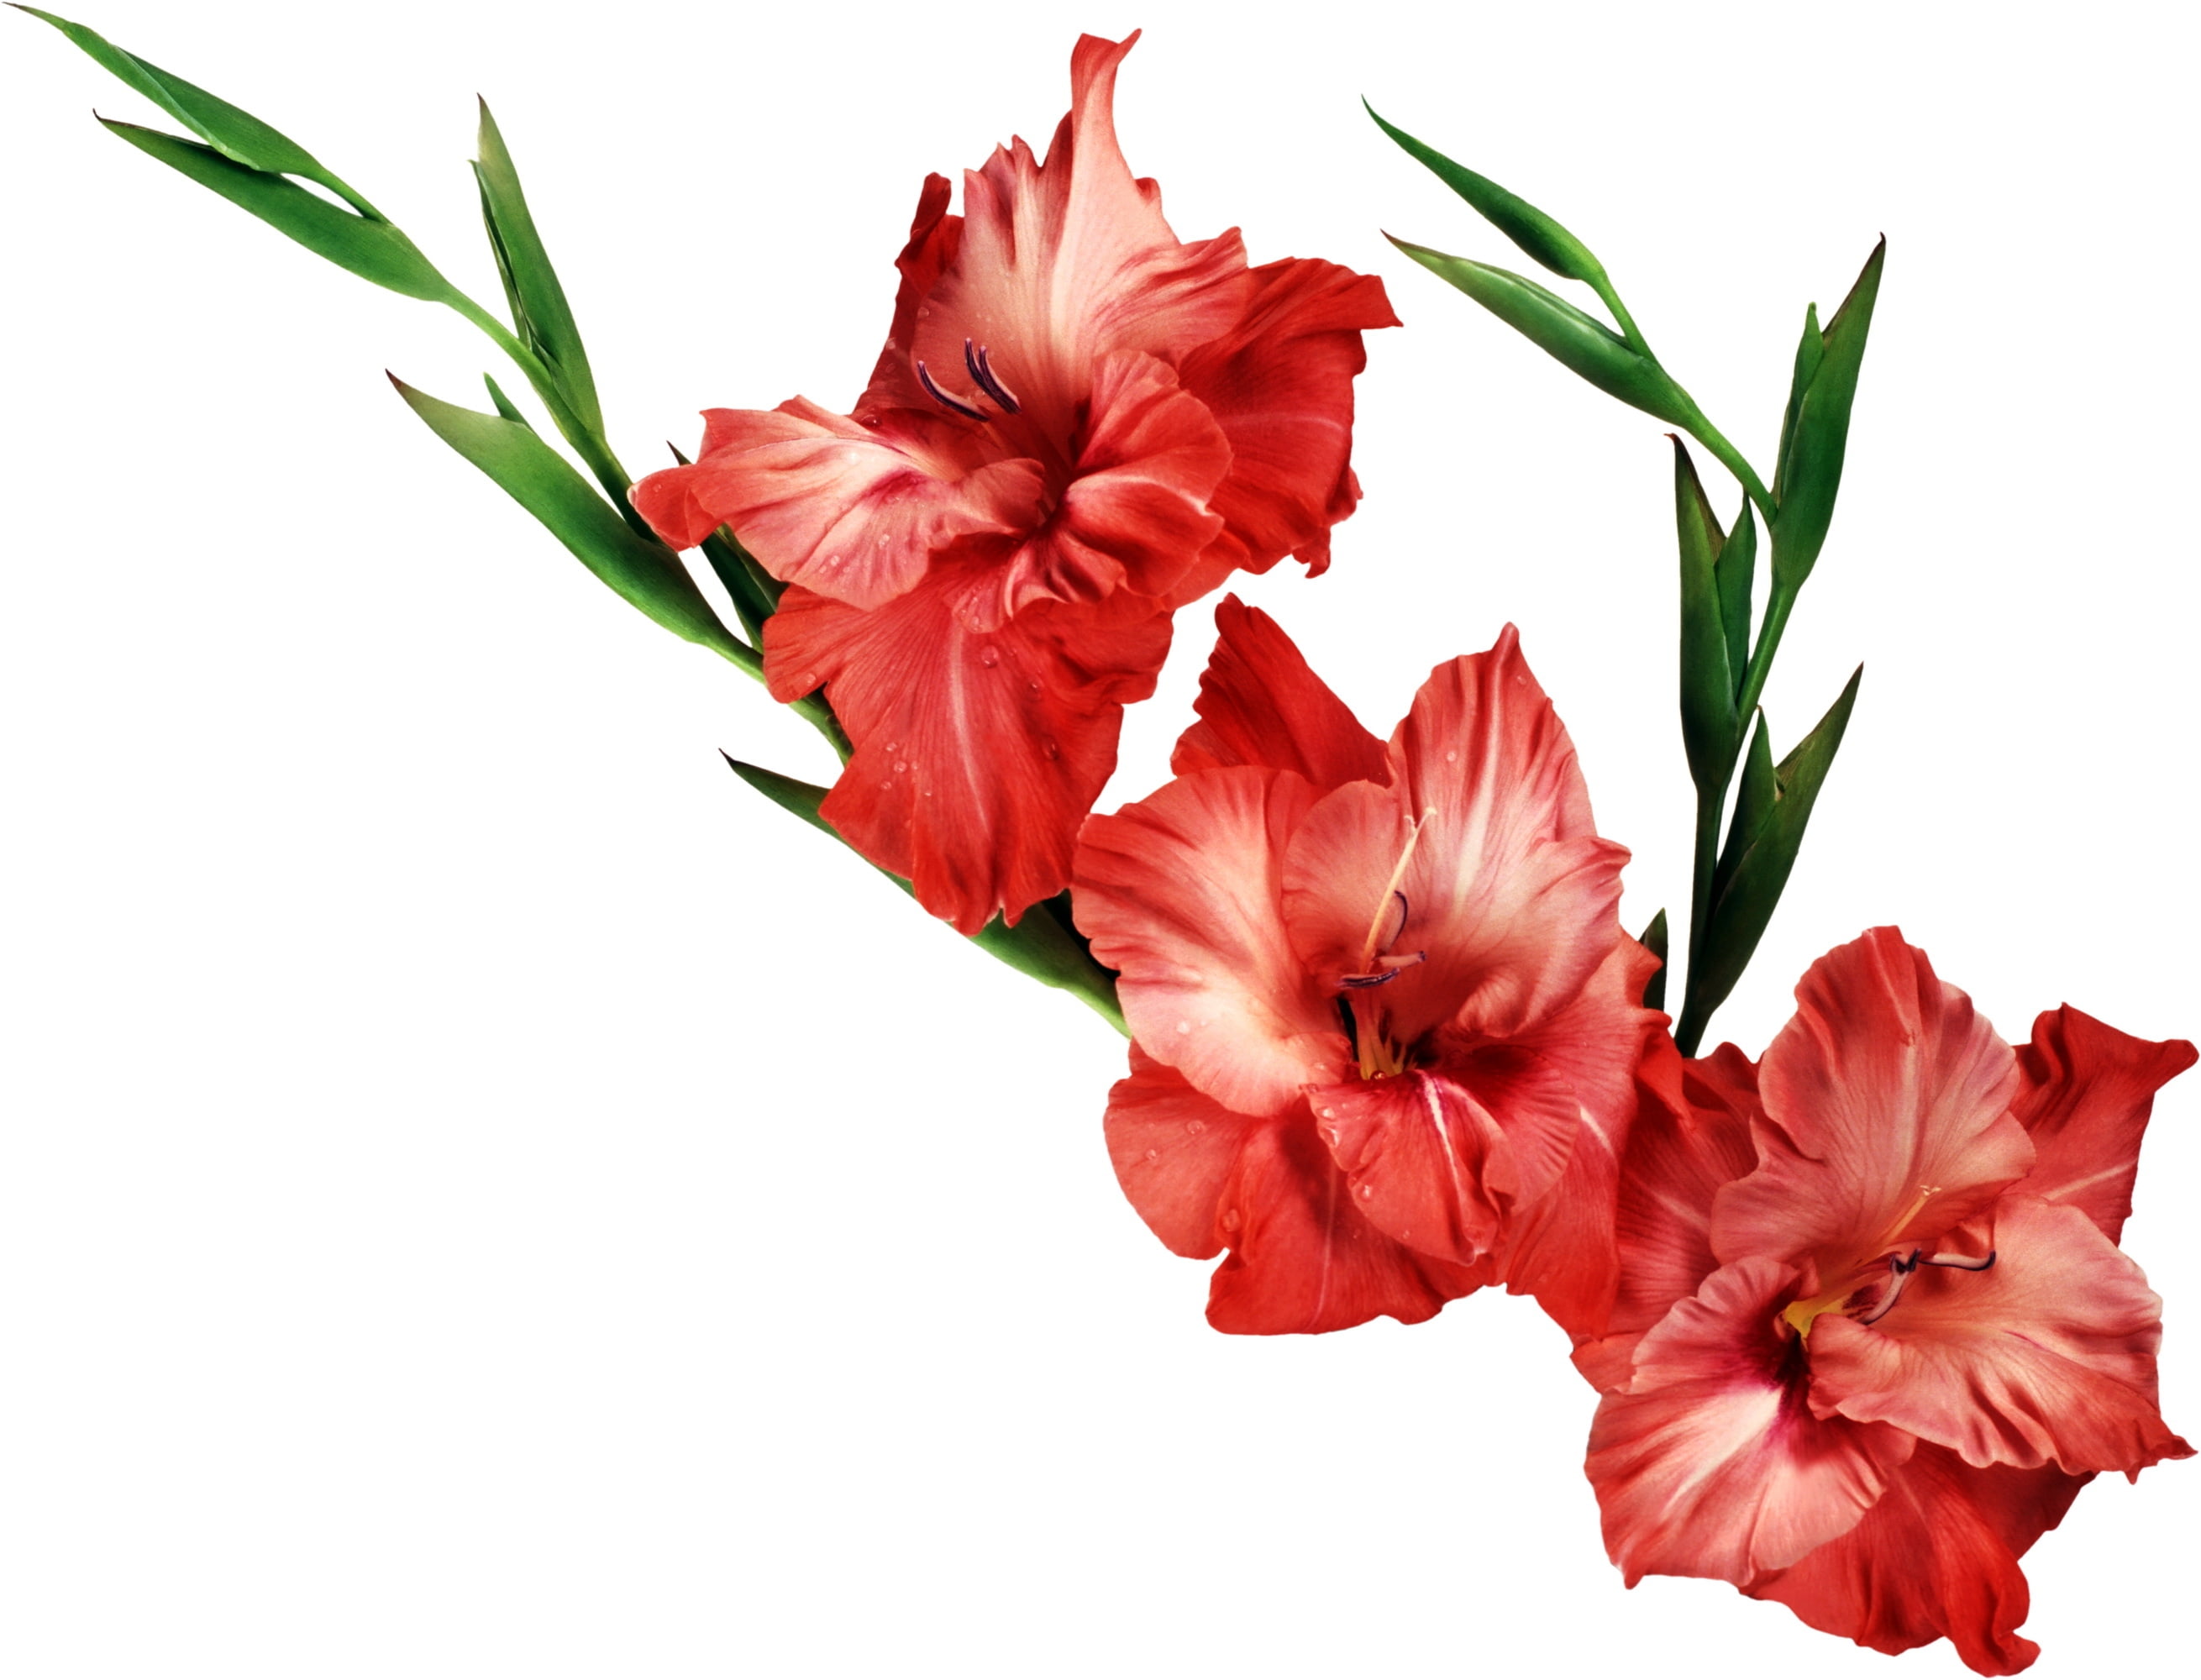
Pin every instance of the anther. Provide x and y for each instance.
(954, 405)
(1961, 1262)
(982, 376)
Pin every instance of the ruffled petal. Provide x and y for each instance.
(1064, 262)
(850, 513)
(1175, 1152)
(1415, 1150)
(1179, 893)
(1505, 938)
(2046, 1356)
(1709, 1462)
(1281, 383)
(1887, 1115)
(1134, 511)
(1561, 1246)
(1936, 1557)
(977, 755)
(1260, 703)
(1303, 1258)
(2085, 1095)
(935, 237)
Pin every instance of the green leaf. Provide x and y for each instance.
(539, 311)
(1039, 945)
(1771, 814)
(1578, 340)
(504, 404)
(1654, 941)
(373, 250)
(1731, 576)
(237, 135)
(1810, 470)
(1811, 351)
(1708, 722)
(1542, 238)
(646, 573)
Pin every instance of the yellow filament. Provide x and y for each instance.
(1802, 1313)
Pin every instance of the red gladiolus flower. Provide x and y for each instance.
(1874, 1331)
(1078, 424)
(1386, 1025)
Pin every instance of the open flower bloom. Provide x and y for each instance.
(1875, 1331)
(1078, 424)
(1386, 1025)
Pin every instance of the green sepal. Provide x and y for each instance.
(645, 572)
(1733, 573)
(1809, 472)
(370, 248)
(1042, 944)
(1707, 689)
(237, 135)
(1654, 941)
(504, 404)
(540, 314)
(1578, 340)
(1543, 239)
(1772, 811)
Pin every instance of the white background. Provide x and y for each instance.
(484, 1194)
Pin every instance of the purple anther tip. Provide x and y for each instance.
(982, 375)
(954, 405)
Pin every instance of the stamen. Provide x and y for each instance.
(1961, 1262)
(1899, 1266)
(954, 405)
(982, 375)
(1392, 900)
(1392, 969)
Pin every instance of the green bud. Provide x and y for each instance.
(1581, 343)
(1731, 576)
(540, 313)
(1708, 721)
(1814, 442)
(644, 572)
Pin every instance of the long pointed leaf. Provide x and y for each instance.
(1707, 685)
(647, 574)
(373, 250)
(237, 135)
(1812, 470)
(540, 311)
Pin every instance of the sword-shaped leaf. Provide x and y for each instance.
(540, 313)
(646, 573)
(1810, 472)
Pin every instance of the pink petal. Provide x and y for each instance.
(1884, 1086)
(1281, 383)
(1063, 263)
(1179, 892)
(935, 237)
(2085, 1096)
(977, 755)
(1937, 1557)
(1260, 704)
(1134, 511)
(2047, 1356)
(1415, 1150)
(1175, 1152)
(1709, 1462)
(1561, 1246)
(847, 513)
(1302, 1257)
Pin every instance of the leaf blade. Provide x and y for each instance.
(540, 311)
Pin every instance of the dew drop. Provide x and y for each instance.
(1049, 750)
(894, 746)
(1329, 1113)
(1452, 757)
(883, 538)
(1367, 1192)
(988, 658)
(1033, 685)
(1230, 1220)
(1195, 1127)
(1154, 1154)
(902, 766)
(832, 559)
(1183, 1029)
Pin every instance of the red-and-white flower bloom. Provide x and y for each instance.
(1875, 1331)
(1078, 424)
(1386, 1025)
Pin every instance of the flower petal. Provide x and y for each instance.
(1302, 1257)
(935, 237)
(1884, 1087)
(1415, 1150)
(977, 755)
(1259, 703)
(1561, 1246)
(2085, 1096)
(1281, 383)
(2046, 1356)
(1175, 1152)
(851, 513)
(1709, 1462)
(1064, 262)
(1134, 511)
(1937, 1557)
(1179, 893)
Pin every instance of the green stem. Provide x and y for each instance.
(1777, 609)
(1731, 458)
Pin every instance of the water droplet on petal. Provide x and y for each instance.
(1230, 1220)
(1049, 750)
(1184, 1028)
(1195, 1127)
(1329, 1113)
(1154, 1154)
(1033, 685)
(1367, 1192)
(894, 746)
(1452, 757)
(988, 658)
